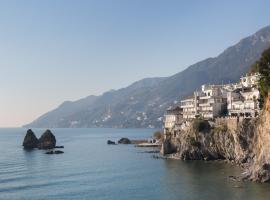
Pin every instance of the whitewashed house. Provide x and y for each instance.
(172, 117)
(210, 102)
(243, 102)
(250, 80)
(190, 106)
(239, 99)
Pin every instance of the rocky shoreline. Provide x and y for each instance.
(245, 143)
(126, 141)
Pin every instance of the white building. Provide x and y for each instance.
(190, 106)
(210, 102)
(243, 102)
(237, 99)
(234, 99)
(213, 101)
(250, 80)
(173, 117)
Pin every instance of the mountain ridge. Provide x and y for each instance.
(143, 103)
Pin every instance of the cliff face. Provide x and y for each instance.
(223, 139)
(259, 169)
(242, 141)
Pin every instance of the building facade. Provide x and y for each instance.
(243, 102)
(238, 99)
(210, 102)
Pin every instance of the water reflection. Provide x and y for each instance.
(204, 181)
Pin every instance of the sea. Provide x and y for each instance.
(92, 170)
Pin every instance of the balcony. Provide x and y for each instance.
(187, 106)
(205, 104)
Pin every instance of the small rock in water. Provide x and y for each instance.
(124, 141)
(58, 152)
(49, 152)
(110, 142)
(59, 147)
(54, 152)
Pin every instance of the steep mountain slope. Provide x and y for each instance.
(143, 103)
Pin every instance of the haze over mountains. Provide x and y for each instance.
(143, 103)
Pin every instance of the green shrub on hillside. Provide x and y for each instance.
(158, 135)
(201, 125)
(263, 67)
(194, 142)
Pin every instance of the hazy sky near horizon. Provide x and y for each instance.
(52, 51)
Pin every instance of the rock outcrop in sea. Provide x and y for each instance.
(54, 152)
(124, 141)
(245, 142)
(30, 140)
(46, 141)
(111, 142)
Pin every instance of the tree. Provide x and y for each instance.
(157, 135)
(263, 67)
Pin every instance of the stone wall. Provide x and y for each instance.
(231, 122)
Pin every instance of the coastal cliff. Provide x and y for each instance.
(242, 141)
(259, 169)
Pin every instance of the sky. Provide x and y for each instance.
(57, 50)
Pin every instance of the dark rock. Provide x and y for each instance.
(157, 151)
(168, 147)
(47, 140)
(54, 152)
(266, 167)
(234, 178)
(59, 147)
(159, 157)
(124, 141)
(110, 142)
(58, 152)
(30, 140)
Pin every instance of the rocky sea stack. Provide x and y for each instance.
(30, 140)
(46, 141)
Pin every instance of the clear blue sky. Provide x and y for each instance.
(52, 51)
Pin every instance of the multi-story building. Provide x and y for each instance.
(173, 117)
(238, 99)
(190, 106)
(243, 102)
(233, 100)
(210, 102)
(250, 80)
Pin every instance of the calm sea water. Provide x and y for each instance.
(91, 169)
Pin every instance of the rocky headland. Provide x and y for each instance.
(245, 142)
